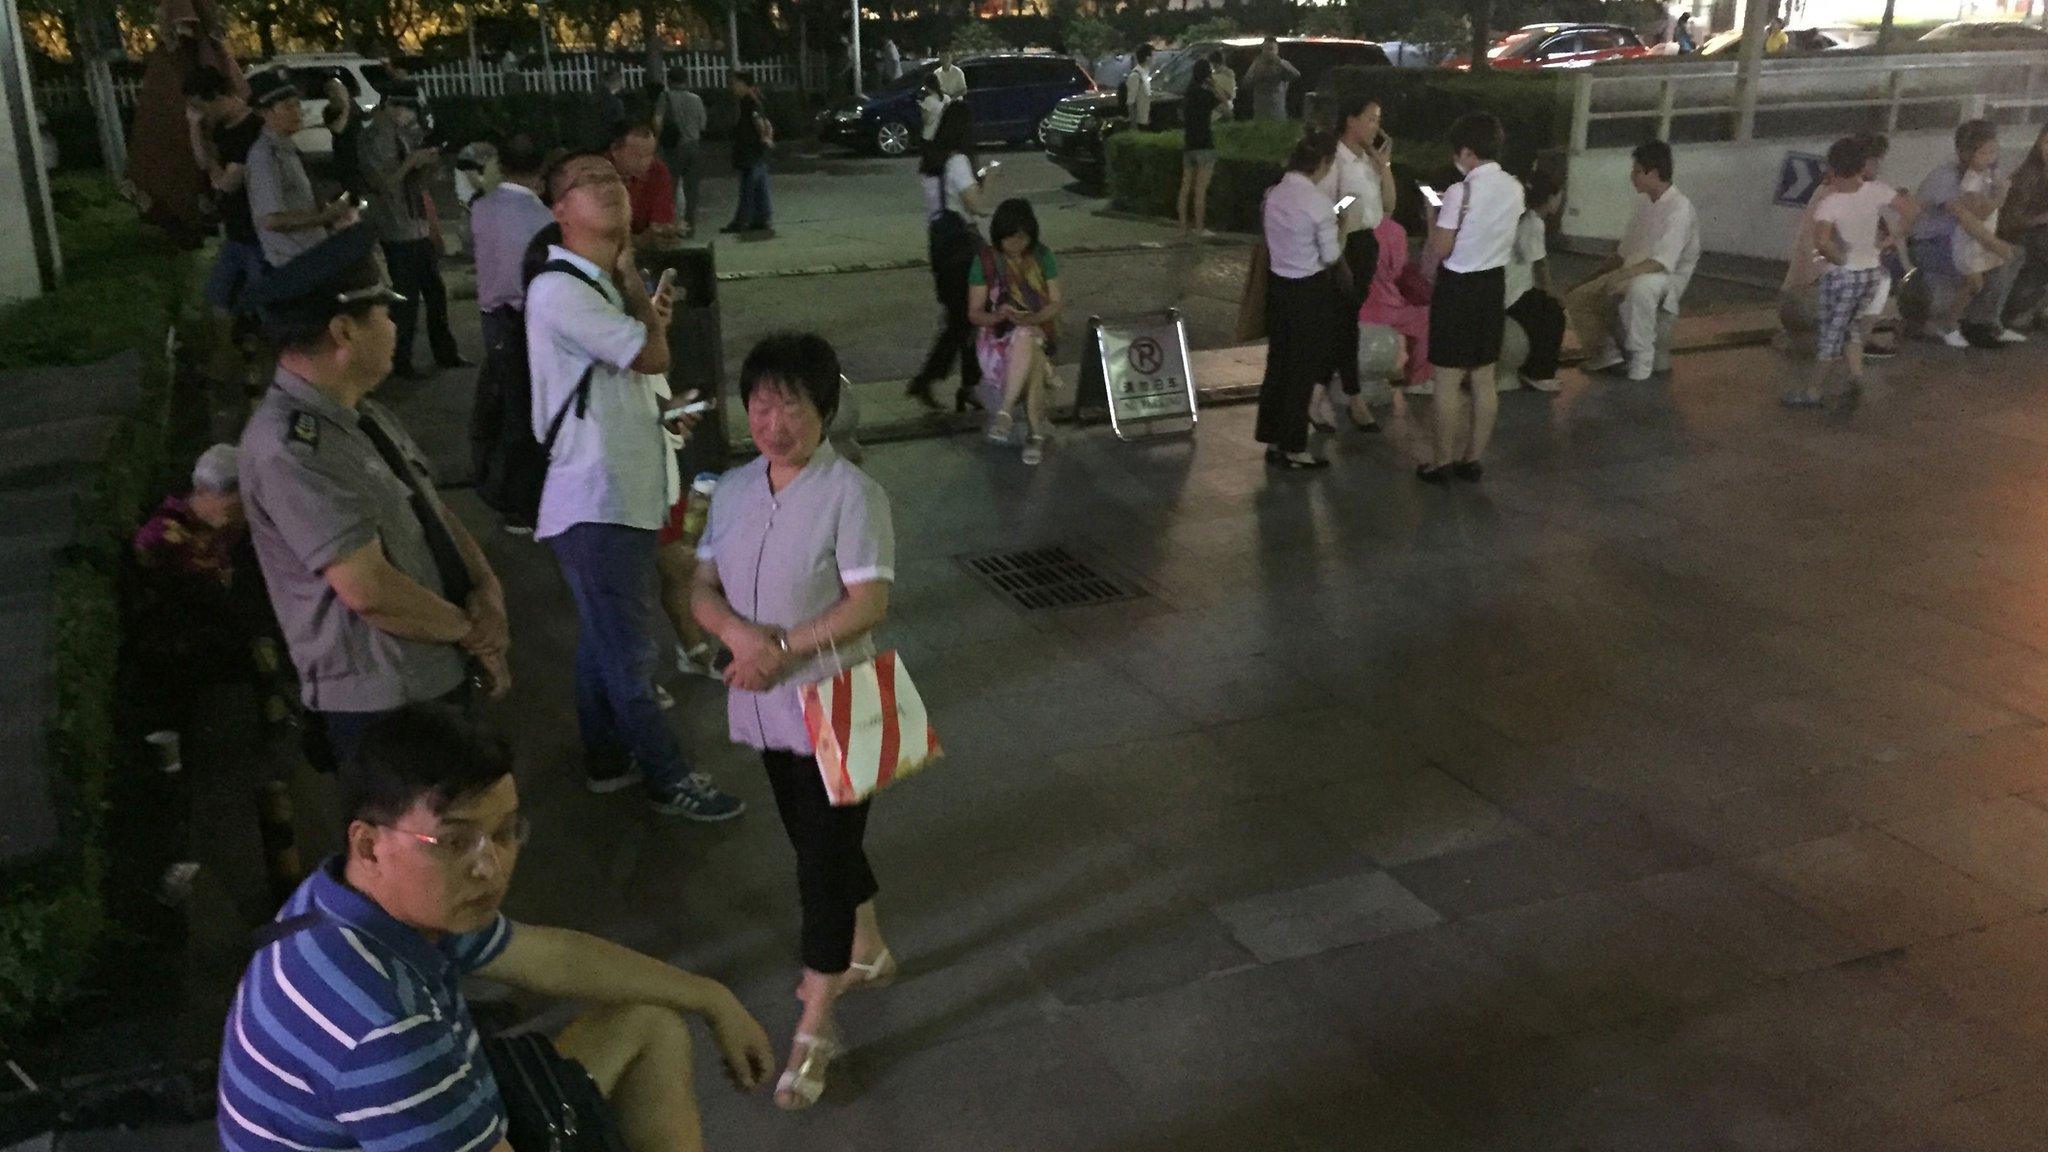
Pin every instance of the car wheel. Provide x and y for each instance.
(1038, 135)
(892, 139)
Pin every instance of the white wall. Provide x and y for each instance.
(24, 193)
(1733, 185)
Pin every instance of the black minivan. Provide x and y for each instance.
(1073, 134)
(1009, 93)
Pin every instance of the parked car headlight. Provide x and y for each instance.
(848, 114)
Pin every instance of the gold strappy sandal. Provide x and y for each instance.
(801, 1086)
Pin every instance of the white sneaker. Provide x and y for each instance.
(1639, 372)
(1954, 338)
(1426, 388)
(1602, 363)
(2008, 336)
(1547, 384)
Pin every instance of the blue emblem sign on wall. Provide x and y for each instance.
(1799, 177)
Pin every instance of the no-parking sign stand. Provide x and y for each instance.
(1137, 370)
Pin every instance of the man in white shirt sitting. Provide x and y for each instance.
(1647, 273)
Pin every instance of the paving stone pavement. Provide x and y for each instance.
(1681, 786)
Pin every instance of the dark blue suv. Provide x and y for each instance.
(1010, 93)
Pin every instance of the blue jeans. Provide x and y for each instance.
(754, 210)
(610, 572)
(235, 271)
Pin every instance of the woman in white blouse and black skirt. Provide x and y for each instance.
(1470, 242)
(1304, 302)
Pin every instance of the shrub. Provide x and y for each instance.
(1091, 38)
(1144, 172)
(52, 910)
(975, 36)
(1213, 28)
(1421, 104)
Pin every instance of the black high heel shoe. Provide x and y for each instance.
(921, 391)
(964, 398)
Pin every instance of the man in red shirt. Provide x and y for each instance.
(648, 182)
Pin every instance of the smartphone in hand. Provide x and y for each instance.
(1435, 198)
(1345, 203)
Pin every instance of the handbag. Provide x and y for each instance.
(1251, 306)
(551, 1103)
(869, 728)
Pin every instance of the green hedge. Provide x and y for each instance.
(1419, 106)
(52, 908)
(1145, 172)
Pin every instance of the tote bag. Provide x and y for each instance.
(868, 727)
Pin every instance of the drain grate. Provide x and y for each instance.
(1049, 577)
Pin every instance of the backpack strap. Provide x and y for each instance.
(579, 399)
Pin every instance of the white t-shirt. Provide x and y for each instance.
(1528, 249)
(1138, 94)
(1486, 228)
(942, 192)
(1856, 217)
(1352, 174)
(952, 81)
(616, 464)
(1659, 230)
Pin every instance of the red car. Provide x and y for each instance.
(1560, 46)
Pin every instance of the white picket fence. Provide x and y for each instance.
(580, 74)
(576, 73)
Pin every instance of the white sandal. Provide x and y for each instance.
(800, 1087)
(877, 973)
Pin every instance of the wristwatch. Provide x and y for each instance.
(782, 642)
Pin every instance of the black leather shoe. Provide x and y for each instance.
(1430, 474)
(455, 361)
(1468, 469)
(921, 391)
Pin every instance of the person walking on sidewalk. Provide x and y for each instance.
(503, 223)
(1845, 236)
(954, 195)
(397, 174)
(383, 597)
(753, 137)
(680, 120)
(794, 575)
(1469, 245)
(224, 128)
(597, 346)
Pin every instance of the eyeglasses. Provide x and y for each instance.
(593, 176)
(466, 847)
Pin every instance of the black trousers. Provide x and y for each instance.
(952, 248)
(1542, 317)
(509, 465)
(331, 740)
(832, 874)
(2030, 287)
(1301, 342)
(415, 267)
(1362, 257)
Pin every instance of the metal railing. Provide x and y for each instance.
(577, 73)
(1697, 102)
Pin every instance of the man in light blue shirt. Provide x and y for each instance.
(502, 223)
(597, 351)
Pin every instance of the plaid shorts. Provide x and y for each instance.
(1844, 293)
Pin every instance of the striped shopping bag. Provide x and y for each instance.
(869, 728)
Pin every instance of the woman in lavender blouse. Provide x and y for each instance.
(794, 574)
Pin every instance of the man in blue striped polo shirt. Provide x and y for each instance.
(350, 1030)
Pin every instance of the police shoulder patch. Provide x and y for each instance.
(306, 429)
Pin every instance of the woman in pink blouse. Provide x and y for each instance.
(1389, 307)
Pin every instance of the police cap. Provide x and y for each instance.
(339, 273)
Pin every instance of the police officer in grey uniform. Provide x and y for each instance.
(384, 598)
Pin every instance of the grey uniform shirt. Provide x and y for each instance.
(786, 557)
(316, 490)
(277, 182)
(397, 202)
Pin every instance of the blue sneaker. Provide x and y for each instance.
(697, 799)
